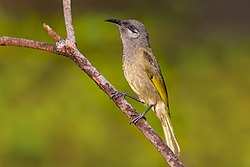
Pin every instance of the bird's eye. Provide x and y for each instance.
(132, 28)
(132, 31)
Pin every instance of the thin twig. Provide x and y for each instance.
(68, 21)
(20, 42)
(51, 32)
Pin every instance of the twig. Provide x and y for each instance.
(68, 21)
(68, 48)
(51, 32)
(20, 42)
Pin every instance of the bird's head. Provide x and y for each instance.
(131, 31)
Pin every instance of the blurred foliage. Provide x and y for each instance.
(52, 114)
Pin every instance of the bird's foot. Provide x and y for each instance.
(116, 95)
(137, 118)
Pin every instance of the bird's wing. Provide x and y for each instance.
(161, 88)
(154, 73)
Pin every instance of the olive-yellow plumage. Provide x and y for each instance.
(143, 74)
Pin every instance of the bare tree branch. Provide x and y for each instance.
(51, 32)
(68, 21)
(20, 42)
(68, 48)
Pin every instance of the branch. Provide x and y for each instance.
(20, 42)
(68, 48)
(52, 33)
(68, 20)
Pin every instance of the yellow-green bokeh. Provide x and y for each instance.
(53, 115)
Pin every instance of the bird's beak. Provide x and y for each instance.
(116, 21)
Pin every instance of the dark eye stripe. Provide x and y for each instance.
(132, 28)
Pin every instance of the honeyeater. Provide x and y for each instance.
(144, 76)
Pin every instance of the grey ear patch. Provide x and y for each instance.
(133, 34)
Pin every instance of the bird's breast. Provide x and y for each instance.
(138, 80)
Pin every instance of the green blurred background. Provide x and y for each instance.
(53, 115)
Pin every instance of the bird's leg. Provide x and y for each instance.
(136, 119)
(116, 95)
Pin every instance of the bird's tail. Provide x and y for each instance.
(163, 114)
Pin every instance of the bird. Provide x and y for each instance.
(144, 76)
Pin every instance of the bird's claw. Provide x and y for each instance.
(137, 118)
(116, 95)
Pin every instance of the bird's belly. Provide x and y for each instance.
(141, 85)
